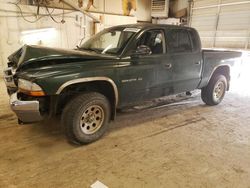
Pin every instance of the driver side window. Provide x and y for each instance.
(154, 39)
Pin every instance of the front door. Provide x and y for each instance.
(146, 76)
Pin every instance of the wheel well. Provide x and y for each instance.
(223, 70)
(73, 90)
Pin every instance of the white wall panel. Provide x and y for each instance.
(222, 23)
(204, 3)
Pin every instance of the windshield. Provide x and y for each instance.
(111, 41)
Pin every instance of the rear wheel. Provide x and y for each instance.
(215, 91)
(86, 117)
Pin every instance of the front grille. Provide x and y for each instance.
(8, 71)
(8, 77)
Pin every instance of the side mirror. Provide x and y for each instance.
(142, 50)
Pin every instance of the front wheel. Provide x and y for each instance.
(85, 118)
(215, 91)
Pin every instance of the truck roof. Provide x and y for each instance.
(149, 25)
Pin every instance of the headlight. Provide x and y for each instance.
(30, 88)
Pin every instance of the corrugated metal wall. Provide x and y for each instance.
(222, 23)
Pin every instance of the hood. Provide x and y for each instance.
(45, 56)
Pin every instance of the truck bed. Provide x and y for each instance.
(215, 58)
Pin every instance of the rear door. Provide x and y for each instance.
(186, 59)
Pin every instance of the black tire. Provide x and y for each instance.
(77, 117)
(209, 94)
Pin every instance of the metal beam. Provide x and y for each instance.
(71, 4)
(217, 23)
(190, 12)
(248, 40)
(109, 13)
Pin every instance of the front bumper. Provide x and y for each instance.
(26, 111)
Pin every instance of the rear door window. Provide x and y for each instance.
(179, 41)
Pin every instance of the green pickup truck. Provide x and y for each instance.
(116, 68)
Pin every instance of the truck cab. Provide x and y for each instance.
(164, 60)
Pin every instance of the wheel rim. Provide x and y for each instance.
(92, 119)
(219, 91)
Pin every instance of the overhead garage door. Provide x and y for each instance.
(222, 23)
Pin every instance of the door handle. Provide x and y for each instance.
(197, 63)
(168, 66)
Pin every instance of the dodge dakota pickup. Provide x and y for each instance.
(116, 68)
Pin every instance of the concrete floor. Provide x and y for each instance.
(190, 145)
